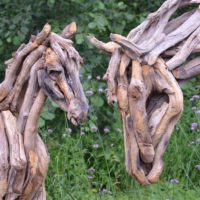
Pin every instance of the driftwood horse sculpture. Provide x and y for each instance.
(47, 66)
(143, 77)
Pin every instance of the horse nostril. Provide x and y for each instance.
(78, 111)
(83, 117)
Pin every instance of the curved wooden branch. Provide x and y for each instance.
(17, 156)
(111, 75)
(185, 51)
(138, 94)
(29, 96)
(160, 17)
(178, 21)
(32, 121)
(36, 156)
(69, 30)
(132, 152)
(4, 165)
(13, 96)
(174, 37)
(109, 47)
(28, 63)
(122, 89)
(188, 70)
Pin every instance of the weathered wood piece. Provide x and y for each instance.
(188, 70)
(48, 66)
(151, 59)
(4, 164)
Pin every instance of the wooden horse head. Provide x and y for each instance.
(143, 77)
(47, 66)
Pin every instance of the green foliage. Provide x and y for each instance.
(87, 162)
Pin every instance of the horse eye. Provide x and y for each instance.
(54, 74)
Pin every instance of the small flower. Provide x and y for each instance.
(94, 129)
(106, 130)
(90, 177)
(191, 99)
(68, 130)
(119, 130)
(89, 93)
(198, 112)
(105, 191)
(64, 135)
(196, 97)
(95, 146)
(192, 143)
(197, 167)
(197, 141)
(82, 133)
(194, 108)
(49, 131)
(174, 181)
(98, 78)
(89, 77)
(91, 170)
(194, 126)
(100, 90)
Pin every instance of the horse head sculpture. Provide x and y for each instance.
(143, 76)
(47, 66)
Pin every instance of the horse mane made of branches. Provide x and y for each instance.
(143, 76)
(47, 66)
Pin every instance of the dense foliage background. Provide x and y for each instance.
(87, 162)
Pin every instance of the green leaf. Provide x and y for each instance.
(101, 6)
(101, 20)
(54, 105)
(16, 40)
(41, 123)
(92, 25)
(47, 115)
(97, 101)
(51, 2)
(9, 40)
(79, 38)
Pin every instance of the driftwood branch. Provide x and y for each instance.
(4, 165)
(188, 70)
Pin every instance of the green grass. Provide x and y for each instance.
(72, 155)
